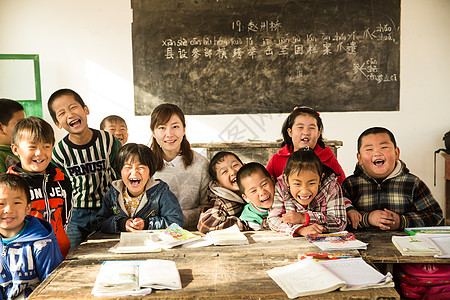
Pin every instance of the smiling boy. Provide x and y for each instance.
(257, 188)
(86, 156)
(225, 202)
(51, 191)
(29, 248)
(387, 195)
(116, 126)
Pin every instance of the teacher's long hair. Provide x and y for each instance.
(161, 115)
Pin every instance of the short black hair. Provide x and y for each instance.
(7, 109)
(217, 159)
(59, 93)
(139, 151)
(36, 128)
(15, 182)
(111, 119)
(376, 130)
(249, 169)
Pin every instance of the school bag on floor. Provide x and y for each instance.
(424, 281)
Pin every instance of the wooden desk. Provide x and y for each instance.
(382, 252)
(227, 272)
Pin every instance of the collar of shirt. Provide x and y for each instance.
(174, 162)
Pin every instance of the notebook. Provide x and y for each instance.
(310, 277)
(135, 277)
(228, 236)
(415, 246)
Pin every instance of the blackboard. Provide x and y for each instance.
(268, 56)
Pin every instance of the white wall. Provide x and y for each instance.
(86, 45)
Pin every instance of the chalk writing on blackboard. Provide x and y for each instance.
(267, 56)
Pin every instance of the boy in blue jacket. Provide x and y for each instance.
(30, 251)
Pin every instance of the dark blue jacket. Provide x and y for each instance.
(28, 259)
(159, 208)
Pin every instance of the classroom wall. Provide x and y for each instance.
(86, 45)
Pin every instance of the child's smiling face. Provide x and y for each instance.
(378, 155)
(34, 156)
(70, 114)
(13, 208)
(304, 132)
(135, 176)
(118, 129)
(303, 186)
(258, 189)
(226, 171)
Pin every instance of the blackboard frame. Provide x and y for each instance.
(200, 93)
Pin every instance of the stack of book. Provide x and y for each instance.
(336, 241)
(424, 241)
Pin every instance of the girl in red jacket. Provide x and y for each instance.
(303, 128)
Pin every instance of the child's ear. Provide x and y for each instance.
(15, 149)
(245, 198)
(358, 156)
(2, 132)
(397, 153)
(57, 124)
(28, 208)
(86, 110)
(286, 179)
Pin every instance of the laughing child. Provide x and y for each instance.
(30, 251)
(311, 198)
(257, 187)
(51, 191)
(384, 191)
(137, 201)
(225, 203)
(86, 156)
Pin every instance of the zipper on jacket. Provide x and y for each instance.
(379, 195)
(48, 211)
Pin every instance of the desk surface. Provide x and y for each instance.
(227, 272)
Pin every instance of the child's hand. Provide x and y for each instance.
(134, 224)
(311, 229)
(353, 218)
(384, 219)
(293, 217)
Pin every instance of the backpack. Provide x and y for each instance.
(424, 281)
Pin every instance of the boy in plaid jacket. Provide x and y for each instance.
(225, 203)
(386, 194)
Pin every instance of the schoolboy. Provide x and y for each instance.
(225, 202)
(30, 251)
(10, 113)
(387, 195)
(86, 156)
(257, 187)
(116, 126)
(51, 192)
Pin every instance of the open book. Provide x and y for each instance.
(228, 236)
(135, 277)
(175, 235)
(310, 277)
(136, 242)
(420, 245)
(336, 241)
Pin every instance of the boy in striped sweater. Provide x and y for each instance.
(86, 156)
